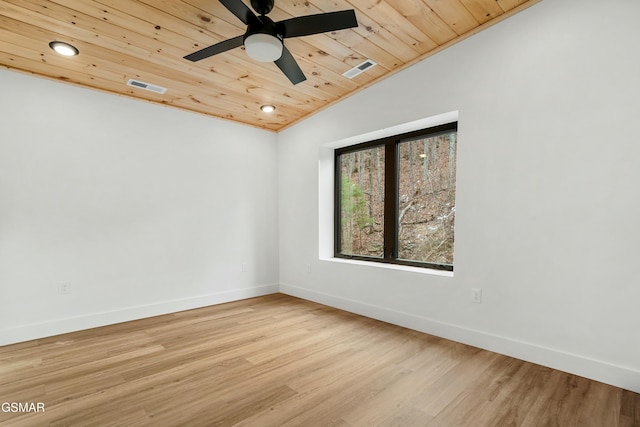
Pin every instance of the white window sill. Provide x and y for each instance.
(412, 269)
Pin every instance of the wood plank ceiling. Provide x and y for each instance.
(146, 40)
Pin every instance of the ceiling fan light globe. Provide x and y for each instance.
(263, 47)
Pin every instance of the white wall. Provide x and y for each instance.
(547, 200)
(143, 209)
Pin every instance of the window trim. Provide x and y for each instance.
(390, 233)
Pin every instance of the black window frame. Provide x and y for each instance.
(391, 175)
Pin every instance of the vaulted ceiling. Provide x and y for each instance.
(146, 41)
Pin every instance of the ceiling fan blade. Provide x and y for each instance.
(290, 67)
(319, 23)
(239, 9)
(215, 49)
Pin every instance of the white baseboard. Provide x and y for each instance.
(597, 370)
(93, 320)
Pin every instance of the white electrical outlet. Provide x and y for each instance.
(245, 268)
(308, 268)
(64, 287)
(476, 295)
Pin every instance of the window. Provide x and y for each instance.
(395, 199)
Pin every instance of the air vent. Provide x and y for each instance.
(146, 86)
(358, 69)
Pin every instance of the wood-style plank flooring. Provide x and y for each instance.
(281, 361)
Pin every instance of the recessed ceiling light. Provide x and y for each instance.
(267, 108)
(64, 48)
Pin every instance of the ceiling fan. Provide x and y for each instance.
(263, 40)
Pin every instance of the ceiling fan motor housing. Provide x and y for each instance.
(263, 25)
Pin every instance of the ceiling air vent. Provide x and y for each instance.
(359, 69)
(146, 86)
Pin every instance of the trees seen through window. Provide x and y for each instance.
(395, 199)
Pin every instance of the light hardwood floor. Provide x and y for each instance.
(281, 361)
